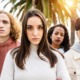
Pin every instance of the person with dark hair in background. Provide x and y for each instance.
(9, 35)
(72, 57)
(58, 38)
(34, 60)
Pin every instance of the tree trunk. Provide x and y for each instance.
(72, 32)
(74, 16)
(33, 3)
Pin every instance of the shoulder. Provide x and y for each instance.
(69, 57)
(18, 43)
(61, 67)
(58, 55)
(8, 57)
(69, 53)
(9, 53)
(61, 50)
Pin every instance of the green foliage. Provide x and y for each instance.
(54, 10)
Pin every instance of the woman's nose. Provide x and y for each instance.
(35, 32)
(1, 24)
(58, 36)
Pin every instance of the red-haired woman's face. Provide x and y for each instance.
(4, 25)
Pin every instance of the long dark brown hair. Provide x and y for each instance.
(65, 44)
(23, 51)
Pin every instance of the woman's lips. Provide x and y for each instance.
(1, 31)
(57, 40)
(35, 38)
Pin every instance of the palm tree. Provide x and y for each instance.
(50, 8)
(73, 11)
(56, 11)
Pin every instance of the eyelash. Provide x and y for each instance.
(5, 22)
(57, 34)
(30, 27)
(40, 27)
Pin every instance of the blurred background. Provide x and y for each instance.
(55, 11)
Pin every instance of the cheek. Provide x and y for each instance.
(28, 36)
(8, 29)
(53, 36)
(62, 38)
(42, 33)
(8, 26)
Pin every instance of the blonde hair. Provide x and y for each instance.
(15, 31)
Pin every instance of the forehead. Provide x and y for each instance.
(34, 20)
(59, 29)
(4, 16)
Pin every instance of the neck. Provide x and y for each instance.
(3, 39)
(34, 47)
(55, 46)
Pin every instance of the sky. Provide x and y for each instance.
(7, 8)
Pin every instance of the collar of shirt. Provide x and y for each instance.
(8, 42)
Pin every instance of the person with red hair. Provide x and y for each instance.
(9, 35)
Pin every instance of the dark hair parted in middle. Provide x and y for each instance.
(24, 51)
(65, 44)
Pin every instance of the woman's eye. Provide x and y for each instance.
(62, 34)
(40, 27)
(29, 27)
(56, 33)
(5, 22)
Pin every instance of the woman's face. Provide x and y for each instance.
(4, 25)
(57, 36)
(34, 30)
